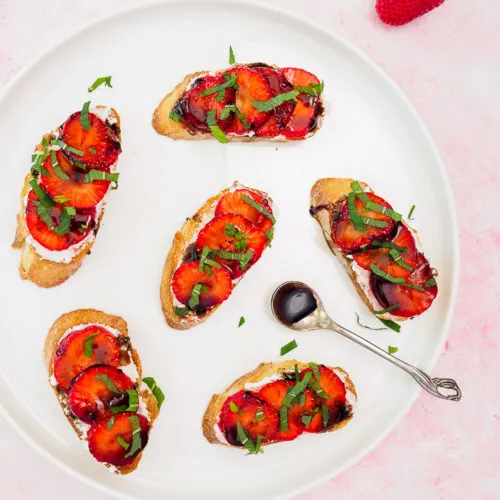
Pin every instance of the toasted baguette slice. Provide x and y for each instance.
(327, 198)
(39, 269)
(164, 125)
(264, 371)
(129, 356)
(182, 239)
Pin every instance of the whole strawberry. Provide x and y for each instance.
(398, 12)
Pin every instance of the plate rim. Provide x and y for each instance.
(404, 100)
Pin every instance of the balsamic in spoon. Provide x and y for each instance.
(296, 306)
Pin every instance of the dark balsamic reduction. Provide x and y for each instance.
(294, 302)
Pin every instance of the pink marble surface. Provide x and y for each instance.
(448, 65)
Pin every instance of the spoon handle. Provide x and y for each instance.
(444, 388)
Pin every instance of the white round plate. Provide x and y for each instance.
(370, 132)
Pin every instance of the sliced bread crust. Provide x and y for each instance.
(182, 239)
(33, 267)
(164, 125)
(93, 316)
(264, 370)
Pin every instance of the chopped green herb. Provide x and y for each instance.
(232, 59)
(242, 238)
(430, 283)
(65, 221)
(57, 168)
(387, 309)
(393, 279)
(84, 117)
(244, 258)
(214, 128)
(382, 209)
(45, 214)
(100, 175)
(107, 382)
(296, 390)
(288, 347)
(106, 80)
(392, 350)
(359, 192)
(325, 414)
(245, 440)
(388, 244)
(314, 384)
(231, 108)
(398, 259)
(313, 89)
(356, 219)
(42, 196)
(174, 116)
(366, 326)
(65, 147)
(390, 324)
(181, 311)
(136, 435)
(258, 207)
(88, 345)
(374, 222)
(315, 370)
(92, 151)
(60, 199)
(194, 300)
(269, 235)
(110, 423)
(283, 419)
(234, 407)
(296, 371)
(412, 209)
(230, 82)
(306, 420)
(157, 392)
(275, 101)
(122, 442)
(220, 96)
(241, 322)
(259, 415)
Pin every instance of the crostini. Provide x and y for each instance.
(243, 102)
(377, 248)
(96, 375)
(64, 195)
(212, 251)
(278, 402)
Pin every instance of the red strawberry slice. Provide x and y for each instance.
(333, 386)
(83, 348)
(233, 203)
(217, 285)
(381, 258)
(279, 85)
(348, 238)
(252, 86)
(247, 408)
(77, 193)
(398, 12)
(195, 107)
(99, 144)
(80, 225)
(411, 302)
(273, 394)
(303, 119)
(111, 439)
(248, 240)
(90, 396)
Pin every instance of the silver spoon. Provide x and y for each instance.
(297, 306)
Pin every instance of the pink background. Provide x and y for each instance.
(448, 64)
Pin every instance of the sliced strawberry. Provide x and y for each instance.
(233, 203)
(274, 393)
(252, 86)
(99, 144)
(348, 238)
(217, 285)
(111, 439)
(335, 404)
(80, 225)
(78, 193)
(381, 258)
(281, 114)
(411, 302)
(195, 108)
(303, 119)
(215, 235)
(72, 357)
(247, 406)
(91, 399)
